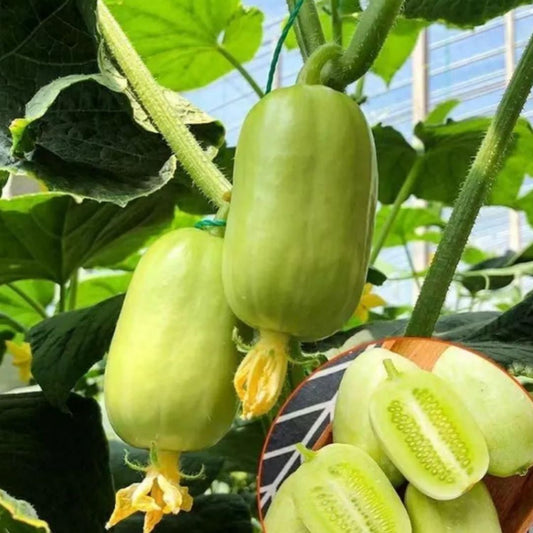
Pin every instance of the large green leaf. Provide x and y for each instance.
(44, 42)
(474, 282)
(65, 346)
(441, 111)
(18, 516)
(13, 303)
(77, 135)
(464, 13)
(213, 513)
(59, 462)
(397, 47)
(395, 159)
(100, 287)
(188, 43)
(407, 225)
(49, 236)
(83, 132)
(449, 151)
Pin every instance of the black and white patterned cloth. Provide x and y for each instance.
(303, 419)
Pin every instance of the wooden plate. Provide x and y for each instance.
(306, 417)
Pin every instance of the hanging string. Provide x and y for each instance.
(279, 44)
(209, 223)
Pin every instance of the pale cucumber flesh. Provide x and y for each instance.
(281, 516)
(501, 408)
(428, 434)
(343, 490)
(473, 512)
(351, 421)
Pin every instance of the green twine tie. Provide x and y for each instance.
(279, 44)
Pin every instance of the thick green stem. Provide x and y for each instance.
(182, 142)
(488, 161)
(245, 74)
(336, 22)
(298, 31)
(34, 304)
(12, 323)
(403, 194)
(372, 30)
(311, 72)
(73, 291)
(308, 27)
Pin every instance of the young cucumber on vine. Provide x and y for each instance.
(168, 379)
(299, 228)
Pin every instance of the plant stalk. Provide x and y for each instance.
(245, 74)
(311, 72)
(34, 304)
(182, 142)
(62, 304)
(298, 31)
(308, 27)
(402, 195)
(489, 160)
(336, 22)
(73, 291)
(375, 23)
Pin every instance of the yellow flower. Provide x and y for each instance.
(159, 493)
(367, 302)
(21, 358)
(261, 374)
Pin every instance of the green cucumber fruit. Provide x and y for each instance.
(428, 433)
(281, 516)
(351, 420)
(502, 409)
(301, 217)
(168, 380)
(473, 512)
(341, 489)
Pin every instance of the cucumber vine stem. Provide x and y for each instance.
(374, 25)
(488, 161)
(194, 160)
(311, 72)
(308, 29)
(336, 22)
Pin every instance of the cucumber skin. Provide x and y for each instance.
(351, 420)
(473, 512)
(502, 409)
(301, 216)
(315, 473)
(282, 516)
(168, 379)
